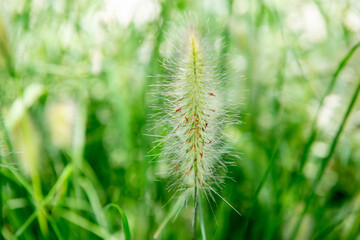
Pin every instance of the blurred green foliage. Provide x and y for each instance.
(75, 113)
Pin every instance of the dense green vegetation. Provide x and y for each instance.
(75, 132)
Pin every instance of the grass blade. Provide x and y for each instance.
(64, 176)
(124, 220)
(94, 201)
(262, 182)
(325, 161)
(175, 209)
(85, 224)
(18, 177)
(328, 91)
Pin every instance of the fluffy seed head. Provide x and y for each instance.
(194, 112)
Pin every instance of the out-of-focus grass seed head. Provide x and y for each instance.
(193, 111)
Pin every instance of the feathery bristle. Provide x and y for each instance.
(195, 113)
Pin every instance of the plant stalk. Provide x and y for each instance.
(194, 237)
(1, 204)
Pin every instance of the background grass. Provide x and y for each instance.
(75, 109)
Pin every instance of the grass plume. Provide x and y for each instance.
(195, 115)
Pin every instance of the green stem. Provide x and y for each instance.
(1, 204)
(325, 161)
(194, 237)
